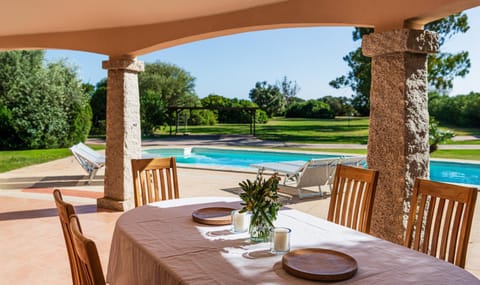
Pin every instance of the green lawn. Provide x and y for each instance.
(16, 159)
(463, 142)
(10, 160)
(341, 130)
(465, 154)
(462, 131)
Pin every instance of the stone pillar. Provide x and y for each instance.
(123, 131)
(398, 134)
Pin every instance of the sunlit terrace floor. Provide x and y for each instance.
(32, 249)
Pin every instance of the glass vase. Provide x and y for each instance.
(260, 226)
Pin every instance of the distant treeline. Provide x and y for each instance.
(460, 110)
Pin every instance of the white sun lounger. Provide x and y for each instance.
(301, 174)
(313, 173)
(89, 159)
(290, 169)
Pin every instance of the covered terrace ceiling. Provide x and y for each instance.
(115, 27)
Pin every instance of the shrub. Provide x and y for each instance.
(42, 106)
(310, 109)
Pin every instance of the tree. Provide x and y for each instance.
(162, 85)
(289, 90)
(268, 98)
(460, 110)
(341, 106)
(74, 99)
(216, 101)
(310, 109)
(41, 106)
(98, 103)
(442, 67)
(228, 116)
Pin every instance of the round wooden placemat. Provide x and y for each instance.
(216, 216)
(319, 264)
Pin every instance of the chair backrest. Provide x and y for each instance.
(440, 220)
(317, 172)
(65, 210)
(353, 192)
(154, 179)
(90, 266)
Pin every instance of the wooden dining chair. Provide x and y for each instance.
(154, 179)
(351, 201)
(440, 220)
(65, 210)
(90, 266)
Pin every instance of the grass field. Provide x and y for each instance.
(339, 130)
(10, 160)
(463, 131)
(465, 154)
(16, 159)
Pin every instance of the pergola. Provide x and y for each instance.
(174, 111)
(398, 138)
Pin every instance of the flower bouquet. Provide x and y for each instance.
(260, 199)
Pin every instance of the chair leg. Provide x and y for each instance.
(300, 196)
(312, 194)
(320, 191)
(93, 172)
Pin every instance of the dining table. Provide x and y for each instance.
(160, 243)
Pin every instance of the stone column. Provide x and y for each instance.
(398, 135)
(123, 131)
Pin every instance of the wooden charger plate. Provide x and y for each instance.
(319, 264)
(216, 216)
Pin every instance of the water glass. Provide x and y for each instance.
(280, 240)
(240, 221)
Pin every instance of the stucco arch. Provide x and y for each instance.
(138, 27)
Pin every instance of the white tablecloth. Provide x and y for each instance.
(161, 244)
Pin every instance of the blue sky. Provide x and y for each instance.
(230, 66)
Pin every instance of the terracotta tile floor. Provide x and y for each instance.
(32, 249)
(31, 240)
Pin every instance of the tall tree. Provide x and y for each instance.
(268, 98)
(41, 105)
(162, 85)
(442, 67)
(289, 90)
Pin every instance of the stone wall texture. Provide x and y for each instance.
(398, 136)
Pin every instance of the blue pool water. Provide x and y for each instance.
(464, 173)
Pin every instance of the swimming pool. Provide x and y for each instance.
(464, 173)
